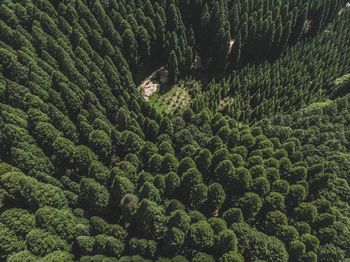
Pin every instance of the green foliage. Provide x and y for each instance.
(93, 195)
(33, 193)
(60, 222)
(151, 219)
(9, 242)
(211, 168)
(201, 235)
(252, 243)
(18, 220)
(42, 243)
(231, 256)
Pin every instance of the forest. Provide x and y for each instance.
(174, 130)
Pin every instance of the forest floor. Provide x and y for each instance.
(150, 85)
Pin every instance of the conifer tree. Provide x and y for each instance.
(173, 67)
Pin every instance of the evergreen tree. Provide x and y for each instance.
(173, 67)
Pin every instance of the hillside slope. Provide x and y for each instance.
(91, 172)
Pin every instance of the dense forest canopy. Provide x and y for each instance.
(240, 152)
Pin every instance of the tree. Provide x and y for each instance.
(174, 238)
(264, 247)
(144, 43)
(151, 219)
(46, 134)
(169, 163)
(310, 256)
(227, 242)
(150, 192)
(129, 205)
(18, 220)
(144, 247)
(180, 220)
(122, 119)
(93, 195)
(9, 242)
(147, 151)
(275, 220)
(63, 151)
(166, 126)
(281, 186)
(85, 245)
(231, 257)
(58, 255)
(82, 157)
(130, 46)
(172, 184)
(166, 147)
(173, 67)
(60, 222)
(306, 212)
(101, 144)
(131, 142)
(201, 236)
(216, 196)
(300, 24)
(155, 163)
(275, 201)
(30, 192)
(202, 257)
(203, 160)
(121, 186)
(151, 129)
(233, 215)
(219, 156)
(250, 204)
(223, 172)
(42, 243)
(188, 58)
(296, 195)
(223, 50)
(311, 242)
(186, 164)
(125, 169)
(198, 195)
(173, 17)
(298, 173)
(261, 186)
(22, 256)
(114, 247)
(287, 234)
(190, 180)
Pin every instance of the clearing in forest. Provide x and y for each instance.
(177, 98)
(152, 83)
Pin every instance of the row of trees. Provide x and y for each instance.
(303, 74)
(323, 130)
(231, 34)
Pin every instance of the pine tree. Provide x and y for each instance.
(173, 18)
(130, 46)
(236, 50)
(144, 43)
(300, 22)
(173, 67)
(204, 36)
